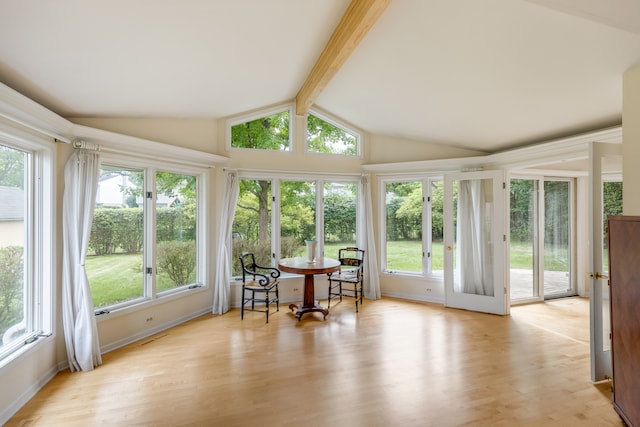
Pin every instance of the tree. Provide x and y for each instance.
(409, 214)
(266, 133)
(521, 209)
(11, 286)
(339, 217)
(12, 167)
(437, 209)
(252, 220)
(256, 191)
(323, 137)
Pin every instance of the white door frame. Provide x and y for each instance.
(499, 303)
(598, 282)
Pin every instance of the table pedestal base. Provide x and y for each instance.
(308, 309)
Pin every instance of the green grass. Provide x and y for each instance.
(407, 256)
(117, 278)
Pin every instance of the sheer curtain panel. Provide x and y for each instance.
(474, 269)
(222, 287)
(81, 175)
(367, 242)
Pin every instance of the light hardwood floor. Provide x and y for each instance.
(396, 363)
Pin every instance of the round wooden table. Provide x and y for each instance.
(309, 269)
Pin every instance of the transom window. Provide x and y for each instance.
(327, 137)
(269, 132)
(274, 130)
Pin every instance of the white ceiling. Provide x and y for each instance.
(487, 75)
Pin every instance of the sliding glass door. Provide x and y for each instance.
(557, 239)
(541, 235)
(523, 249)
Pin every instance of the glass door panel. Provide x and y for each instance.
(606, 199)
(611, 205)
(523, 246)
(557, 239)
(475, 252)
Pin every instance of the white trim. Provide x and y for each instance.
(292, 175)
(112, 142)
(23, 111)
(29, 393)
(148, 332)
(413, 297)
(563, 149)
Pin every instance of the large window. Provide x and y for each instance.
(307, 208)
(25, 245)
(144, 237)
(413, 226)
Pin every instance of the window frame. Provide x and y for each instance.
(39, 230)
(427, 220)
(150, 168)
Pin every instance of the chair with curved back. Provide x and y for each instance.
(263, 283)
(348, 281)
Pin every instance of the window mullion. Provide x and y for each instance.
(320, 215)
(275, 222)
(150, 233)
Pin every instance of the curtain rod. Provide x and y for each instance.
(80, 143)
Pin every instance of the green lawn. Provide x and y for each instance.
(117, 278)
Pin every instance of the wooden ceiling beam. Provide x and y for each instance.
(354, 25)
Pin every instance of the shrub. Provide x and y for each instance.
(178, 261)
(11, 285)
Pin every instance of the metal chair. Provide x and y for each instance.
(263, 281)
(348, 281)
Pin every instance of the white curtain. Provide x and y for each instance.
(368, 243)
(474, 270)
(222, 287)
(81, 174)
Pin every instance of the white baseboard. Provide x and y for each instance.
(28, 394)
(148, 332)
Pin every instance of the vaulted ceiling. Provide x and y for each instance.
(487, 75)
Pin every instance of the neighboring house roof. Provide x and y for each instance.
(11, 203)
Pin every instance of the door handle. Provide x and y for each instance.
(601, 276)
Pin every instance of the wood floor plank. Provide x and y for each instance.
(394, 363)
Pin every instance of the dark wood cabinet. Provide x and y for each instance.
(624, 281)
